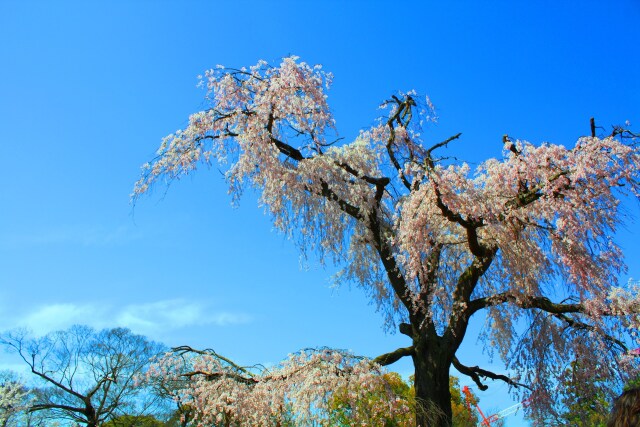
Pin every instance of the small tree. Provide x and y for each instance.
(343, 407)
(89, 377)
(585, 403)
(525, 241)
(582, 403)
(14, 397)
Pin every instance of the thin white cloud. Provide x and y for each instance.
(223, 319)
(153, 319)
(54, 317)
(175, 314)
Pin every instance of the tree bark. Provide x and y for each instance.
(90, 413)
(433, 396)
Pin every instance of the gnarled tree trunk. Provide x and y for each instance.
(433, 396)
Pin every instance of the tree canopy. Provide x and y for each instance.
(88, 376)
(526, 240)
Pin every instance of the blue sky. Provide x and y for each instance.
(88, 89)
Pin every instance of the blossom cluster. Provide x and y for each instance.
(298, 391)
(14, 398)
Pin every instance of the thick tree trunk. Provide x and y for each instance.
(90, 413)
(433, 396)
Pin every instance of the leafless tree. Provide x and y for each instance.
(89, 376)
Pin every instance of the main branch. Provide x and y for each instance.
(475, 372)
(394, 356)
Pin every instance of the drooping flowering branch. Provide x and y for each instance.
(299, 389)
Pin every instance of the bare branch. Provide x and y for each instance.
(558, 310)
(212, 376)
(183, 349)
(442, 144)
(402, 105)
(475, 372)
(525, 302)
(46, 406)
(392, 357)
(576, 324)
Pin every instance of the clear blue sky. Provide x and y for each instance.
(88, 88)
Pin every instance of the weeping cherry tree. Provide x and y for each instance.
(524, 241)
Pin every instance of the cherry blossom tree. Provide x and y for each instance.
(525, 240)
(14, 397)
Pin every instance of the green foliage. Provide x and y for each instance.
(462, 417)
(634, 383)
(587, 412)
(588, 404)
(342, 408)
(134, 421)
(177, 419)
(585, 403)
